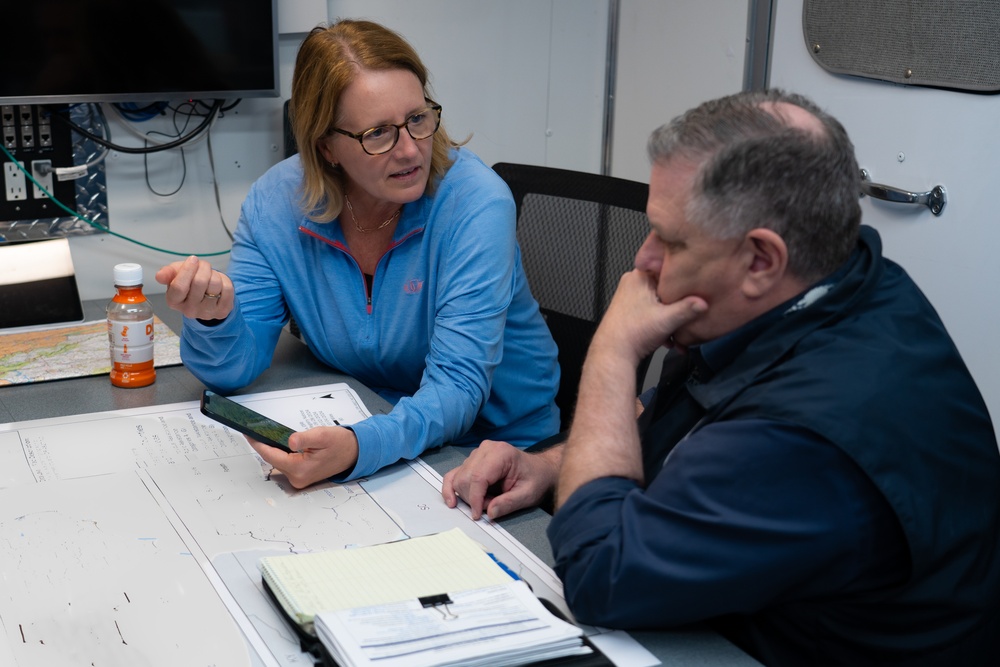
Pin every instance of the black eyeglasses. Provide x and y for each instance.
(382, 139)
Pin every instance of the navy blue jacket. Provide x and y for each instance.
(838, 501)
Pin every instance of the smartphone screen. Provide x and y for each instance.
(245, 420)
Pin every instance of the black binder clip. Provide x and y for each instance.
(439, 602)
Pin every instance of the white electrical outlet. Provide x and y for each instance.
(41, 171)
(13, 179)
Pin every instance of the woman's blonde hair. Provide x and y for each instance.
(328, 61)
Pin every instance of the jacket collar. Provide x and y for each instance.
(727, 365)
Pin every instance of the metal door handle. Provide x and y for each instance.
(934, 199)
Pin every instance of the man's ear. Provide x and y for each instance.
(768, 264)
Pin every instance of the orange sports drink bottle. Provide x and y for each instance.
(130, 330)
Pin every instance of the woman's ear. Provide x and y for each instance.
(768, 265)
(323, 145)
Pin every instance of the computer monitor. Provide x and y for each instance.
(71, 51)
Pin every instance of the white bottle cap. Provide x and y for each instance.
(128, 274)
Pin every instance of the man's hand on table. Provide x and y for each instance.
(498, 478)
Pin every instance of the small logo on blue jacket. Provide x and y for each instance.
(413, 286)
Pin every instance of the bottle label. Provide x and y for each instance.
(131, 342)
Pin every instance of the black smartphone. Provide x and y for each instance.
(246, 421)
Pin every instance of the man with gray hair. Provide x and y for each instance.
(817, 475)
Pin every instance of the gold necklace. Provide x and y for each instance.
(373, 229)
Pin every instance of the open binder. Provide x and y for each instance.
(373, 605)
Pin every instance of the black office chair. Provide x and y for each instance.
(286, 129)
(578, 234)
(290, 150)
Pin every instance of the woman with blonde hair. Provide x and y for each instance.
(394, 250)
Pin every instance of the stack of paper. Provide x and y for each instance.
(493, 627)
(435, 600)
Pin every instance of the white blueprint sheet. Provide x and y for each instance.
(132, 537)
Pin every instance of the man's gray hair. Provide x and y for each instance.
(759, 170)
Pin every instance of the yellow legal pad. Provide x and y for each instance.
(447, 562)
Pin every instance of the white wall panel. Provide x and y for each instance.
(915, 139)
(671, 56)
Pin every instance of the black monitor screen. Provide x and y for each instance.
(124, 50)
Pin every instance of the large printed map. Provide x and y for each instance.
(71, 351)
(134, 537)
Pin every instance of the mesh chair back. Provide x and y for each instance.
(578, 234)
(290, 150)
(286, 129)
